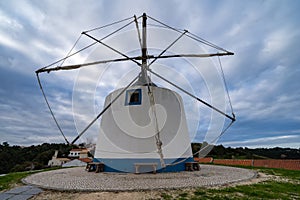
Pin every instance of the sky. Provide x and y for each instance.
(262, 77)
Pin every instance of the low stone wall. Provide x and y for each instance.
(204, 160)
(233, 162)
(285, 164)
(269, 163)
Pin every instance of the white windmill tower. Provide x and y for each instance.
(142, 124)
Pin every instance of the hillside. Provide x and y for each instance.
(17, 158)
(222, 152)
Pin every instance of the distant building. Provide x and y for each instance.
(57, 161)
(78, 153)
(76, 157)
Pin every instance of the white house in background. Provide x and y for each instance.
(78, 153)
(57, 161)
(76, 157)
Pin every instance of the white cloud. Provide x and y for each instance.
(8, 23)
(262, 76)
(279, 42)
(7, 41)
(275, 141)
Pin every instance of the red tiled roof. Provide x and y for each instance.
(86, 160)
(204, 160)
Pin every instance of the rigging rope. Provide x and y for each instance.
(107, 25)
(44, 68)
(199, 39)
(71, 50)
(41, 87)
(138, 31)
(157, 135)
(167, 48)
(152, 104)
(113, 49)
(225, 84)
(158, 142)
(190, 35)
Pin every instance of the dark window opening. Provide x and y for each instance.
(133, 97)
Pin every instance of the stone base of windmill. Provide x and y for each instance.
(152, 167)
(192, 166)
(95, 167)
(78, 179)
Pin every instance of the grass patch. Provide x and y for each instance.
(290, 174)
(12, 179)
(286, 188)
(166, 196)
(183, 196)
(286, 173)
(264, 190)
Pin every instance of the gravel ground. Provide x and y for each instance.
(77, 179)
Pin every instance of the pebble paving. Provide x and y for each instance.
(77, 179)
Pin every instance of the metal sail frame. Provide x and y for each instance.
(143, 76)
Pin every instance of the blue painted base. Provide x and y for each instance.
(127, 165)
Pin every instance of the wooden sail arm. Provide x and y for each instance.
(196, 55)
(71, 67)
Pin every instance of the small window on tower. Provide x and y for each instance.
(133, 97)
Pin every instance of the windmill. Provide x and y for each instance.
(142, 122)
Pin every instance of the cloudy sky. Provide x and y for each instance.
(263, 76)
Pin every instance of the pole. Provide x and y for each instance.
(144, 49)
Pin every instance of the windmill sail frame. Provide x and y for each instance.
(143, 78)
